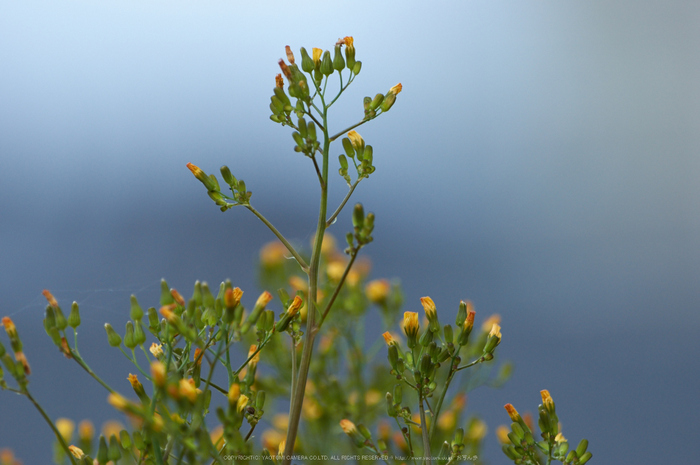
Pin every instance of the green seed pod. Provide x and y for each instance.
(426, 365)
(390, 409)
(136, 310)
(113, 338)
(426, 338)
(514, 438)
(388, 102)
(338, 61)
(311, 130)
(364, 431)
(49, 319)
(207, 296)
(398, 394)
(518, 431)
(226, 175)
(307, 64)
(61, 321)
(449, 335)
(358, 216)
(585, 458)
(393, 356)
(74, 316)
(215, 183)
(114, 452)
(343, 162)
(298, 139)
(102, 452)
(349, 149)
(376, 101)
(124, 439)
(357, 67)
(445, 451)
(349, 238)
(581, 448)
(563, 448)
(279, 93)
(139, 334)
(350, 57)
(129, 340)
(366, 103)
(327, 64)
(153, 323)
(197, 294)
(260, 401)
(571, 456)
(367, 154)
(166, 297)
(459, 437)
(276, 105)
(302, 128)
(3, 351)
(461, 314)
(529, 439)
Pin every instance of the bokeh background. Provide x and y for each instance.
(542, 161)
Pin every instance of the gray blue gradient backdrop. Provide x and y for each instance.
(542, 161)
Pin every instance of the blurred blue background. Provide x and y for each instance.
(542, 161)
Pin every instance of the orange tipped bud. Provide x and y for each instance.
(50, 298)
(156, 350)
(349, 41)
(279, 82)
(232, 297)
(158, 373)
(512, 413)
(178, 297)
(198, 355)
(285, 69)
(356, 140)
(21, 358)
(241, 403)
(295, 306)
(348, 426)
(253, 349)
(389, 339)
(76, 452)
(290, 55)
(10, 327)
(187, 389)
(396, 89)
(264, 299)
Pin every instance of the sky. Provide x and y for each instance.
(541, 161)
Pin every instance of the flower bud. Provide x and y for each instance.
(136, 310)
(113, 338)
(139, 334)
(327, 63)
(290, 55)
(316, 55)
(350, 429)
(349, 52)
(349, 149)
(74, 316)
(102, 451)
(411, 327)
(208, 182)
(357, 67)
(493, 339)
(307, 64)
(61, 321)
(129, 340)
(430, 313)
(358, 216)
(376, 101)
(338, 61)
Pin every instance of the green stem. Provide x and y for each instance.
(348, 129)
(298, 398)
(25, 391)
(282, 239)
(342, 204)
(337, 289)
(424, 430)
(470, 364)
(79, 360)
(438, 406)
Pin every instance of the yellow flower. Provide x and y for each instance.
(158, 373)
(356, 140)
(447, 420)
(264, 299)
(496, 332)
(216, 435)
(279, 82)
(477, 430)
(65, 426)
(389, 338)
(156, 350)
(232, 297)
(348, 426)
(372, 397)
(396, 89)
(242, 402)
(273, 254)
(410, 324)
(117, 401)
(316, 55)
(512, 413)
(76, 451)
(502, 434)
(282, 446)
(234, 392)
(86, 430)
(559, 438)
(178, 297)
(295, 306)
(335, 270)
(547, 400)
(256, 358)
(111, 428)
(490, 321)
(377, 291)
(187, 389)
